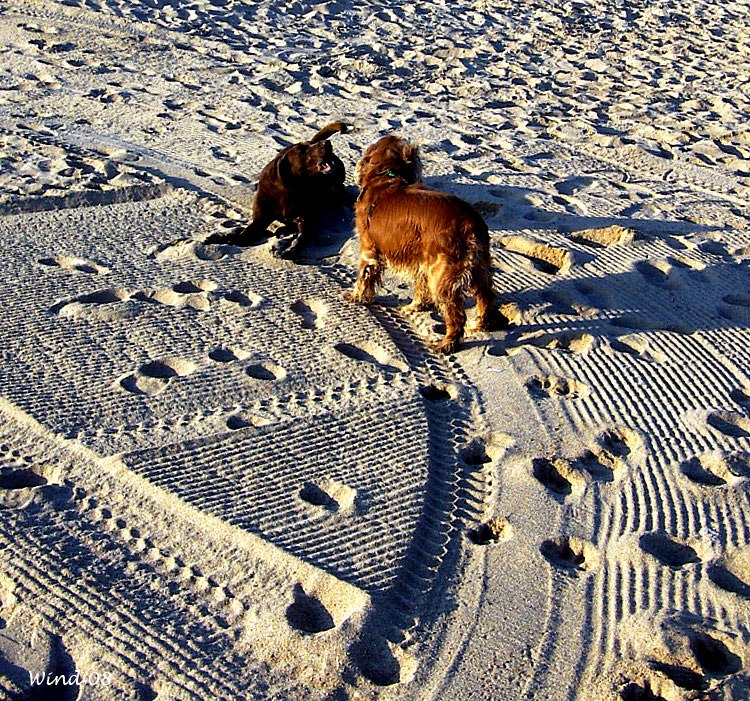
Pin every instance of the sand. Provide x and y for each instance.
(221, 480)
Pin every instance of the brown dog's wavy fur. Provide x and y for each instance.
(438, 240)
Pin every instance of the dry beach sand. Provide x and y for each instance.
(219, 480)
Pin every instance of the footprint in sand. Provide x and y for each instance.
(18, 480)
(223, 354)
(154, 377)
(562, 477)
(556, 475)
(736, 308)
(571, 205)
(312, 313)
(715, 469)
(606, 462)
(73, 264)
(570, 341)
(621, 443)
(569, 553)
(639, 346)
(438, 392)
(715, 248)
(241, 420)
(683, 677)
(604, 237)
(266, 371)
(713, 656)
(246, 300)
(567, 302)
(547, 258)
(599, 465)
(551, 386)
(197, 295)
(571, 186)
(95, 305)
(691, 658)
(372, 354)
(187, 248)
(329, 495)
(307, 614)
(486, 450)
(668, 550)
(635, 692)
(662, 273)
(730, 423)
(732, 572)
(192, 294)
(609, 458)
(496, 530)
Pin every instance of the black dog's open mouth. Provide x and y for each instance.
(325, 167)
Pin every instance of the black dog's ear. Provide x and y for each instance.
(291, 165)
(284, 170)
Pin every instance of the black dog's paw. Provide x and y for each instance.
(286, 246)
(246, 236)
(216, 238)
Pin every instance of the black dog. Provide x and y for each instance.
(301, 181)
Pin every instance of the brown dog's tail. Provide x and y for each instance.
(329, 130)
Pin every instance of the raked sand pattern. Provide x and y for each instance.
(220, 480)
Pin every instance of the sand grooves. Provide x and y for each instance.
(115, 572)
(651, 508)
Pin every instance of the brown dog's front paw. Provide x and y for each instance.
(417, 306)
(446, 346)
(487, 323)
(355, 297)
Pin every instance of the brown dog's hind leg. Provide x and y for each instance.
(452, 309)
(445, 281)
(422, 296)
(481, 286)
(369, 278)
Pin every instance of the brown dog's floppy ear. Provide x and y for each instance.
(411, 156)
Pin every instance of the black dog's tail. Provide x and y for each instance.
(329, 130)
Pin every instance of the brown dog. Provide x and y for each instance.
(299, 182)
(437, 239)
